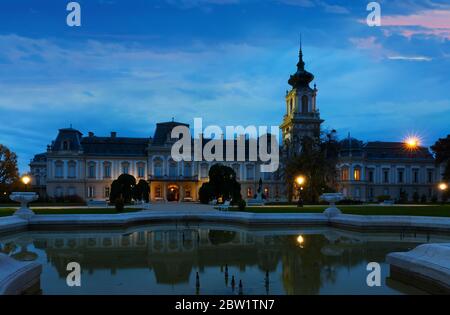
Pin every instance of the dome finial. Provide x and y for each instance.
(301, 63)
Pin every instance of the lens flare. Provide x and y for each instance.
(412, 142)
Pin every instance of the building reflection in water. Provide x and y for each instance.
(299, 264)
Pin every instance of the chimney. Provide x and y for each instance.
(91, 134)
(113, 134)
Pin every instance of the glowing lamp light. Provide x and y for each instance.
(412, 142)
(300, 180)
(26, 180)
(443, 186)
(300, 240)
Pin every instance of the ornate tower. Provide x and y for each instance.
(302, 117)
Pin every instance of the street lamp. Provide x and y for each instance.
(300, 180)
(443, 187)
(26, 180)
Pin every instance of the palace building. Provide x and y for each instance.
(85, 166)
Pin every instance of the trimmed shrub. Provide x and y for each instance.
(242, 204)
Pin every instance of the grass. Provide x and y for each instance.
(9, 211)
(433, 210)
(413, 210)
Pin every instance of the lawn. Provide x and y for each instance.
(9, 211)
(433, 210)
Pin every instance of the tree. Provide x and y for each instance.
(141, 191)
(205, 193)
(317, 162)
(122, 188)
(9, 172)
(222, 184)
(441, 150)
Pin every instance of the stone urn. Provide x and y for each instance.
(332, 198)
(24, 198)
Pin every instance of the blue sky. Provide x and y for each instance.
(134, 63)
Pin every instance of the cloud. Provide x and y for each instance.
(410, 58)
(330, 8)
(377, 50)
(426, 22)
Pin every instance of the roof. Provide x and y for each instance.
(115, 146)
(163, 132)
(41, 157)
(395, 150)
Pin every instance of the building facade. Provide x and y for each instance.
(85, 166)
(386, 169)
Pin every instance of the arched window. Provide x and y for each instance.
(236, 169)
(66, 145)
(187, 169)
(59, 169)
(357, 174)
(91, 170)
(173, 168)
(204, 170)
(344, 173)
(158, 167)
(72, 169)
(250, 172)
(141, 169)
(107, 169)
(304, 104)
(125, 168)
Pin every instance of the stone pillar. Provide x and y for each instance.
(181, 194)
(165, 192)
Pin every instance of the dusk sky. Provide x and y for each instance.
(138, 62)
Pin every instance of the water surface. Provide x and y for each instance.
(165, 259)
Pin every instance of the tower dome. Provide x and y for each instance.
(301, 78)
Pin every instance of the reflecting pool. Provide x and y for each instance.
(166, 258)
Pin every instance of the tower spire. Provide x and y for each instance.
(301, 63)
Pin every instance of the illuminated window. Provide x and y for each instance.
(158, 192)
(249, 192)
(357, 174)
(344, 173)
